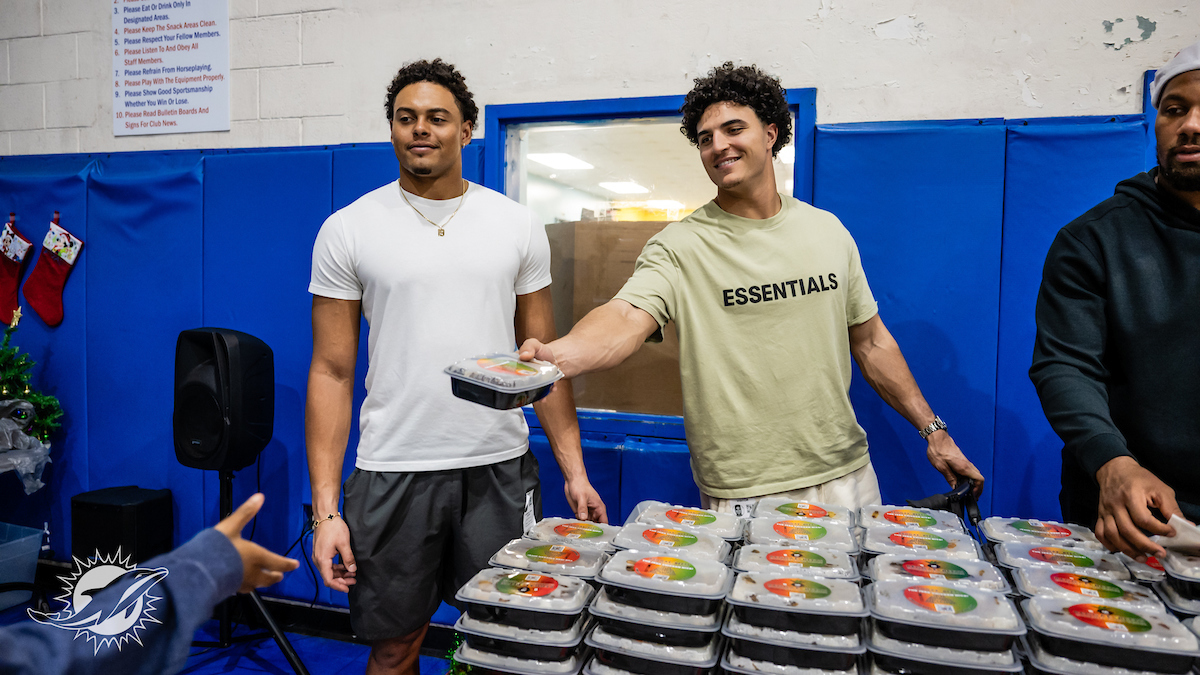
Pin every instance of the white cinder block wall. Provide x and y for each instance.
(313, 72)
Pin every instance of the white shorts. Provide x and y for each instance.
(856, 489)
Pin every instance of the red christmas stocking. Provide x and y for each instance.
(44, 288)
(13, 246)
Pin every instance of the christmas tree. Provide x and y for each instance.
(14, 384)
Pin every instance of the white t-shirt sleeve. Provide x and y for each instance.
(534, 274)
(333, 273)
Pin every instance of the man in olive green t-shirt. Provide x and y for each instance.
(771, 302)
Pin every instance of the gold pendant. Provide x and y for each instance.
(441, 232)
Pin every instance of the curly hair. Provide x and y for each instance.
(436, 71)
(744, 85)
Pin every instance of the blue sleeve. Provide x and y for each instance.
(199, 574)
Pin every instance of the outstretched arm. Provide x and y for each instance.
(601, 340)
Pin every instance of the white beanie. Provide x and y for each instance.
(1184, 61)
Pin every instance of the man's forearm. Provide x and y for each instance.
(557, 415)
(326, 431)
(884, 368)
(603, 339)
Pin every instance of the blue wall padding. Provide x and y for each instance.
(924, 202)
(1056, 170)
(145, 220)
(658, 469)
(34, 190)
(601, 457)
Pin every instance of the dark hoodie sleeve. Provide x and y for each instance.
(1068, 354)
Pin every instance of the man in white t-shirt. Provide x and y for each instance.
(442, 270)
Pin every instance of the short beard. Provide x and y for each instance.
(1179, 178)
(422, 171)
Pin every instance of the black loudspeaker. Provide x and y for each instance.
(136, 521)
(224, 398)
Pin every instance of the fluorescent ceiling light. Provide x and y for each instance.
(625, 188)
(787, 154)
(665, 204)
(559, 160)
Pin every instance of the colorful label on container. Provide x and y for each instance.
(1039, 529)
(910, 517)
(1110, 618)
(803, 510)
(916, 539)
(1061, 556)
(805, 588)
(508, 367)
(528, 585)
(691, 516)
(578, 530)
(796, 557)
(800, 530)
(552, 554)
(664, 537)
(1093, 588)
(934, 569)
(672, 569)
(941, 600)
(1154, 562)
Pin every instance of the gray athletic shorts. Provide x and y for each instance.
(418, 537)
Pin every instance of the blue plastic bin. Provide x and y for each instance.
(19, 548)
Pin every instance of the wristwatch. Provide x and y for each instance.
(936, 425)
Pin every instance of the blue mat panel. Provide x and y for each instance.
(601, 457)
(656, 469)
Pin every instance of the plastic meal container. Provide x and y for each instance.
(676, 538)
(1082, 561)
(525, 599)
(502, 380)
(908, 517)
(723, 525)
(1178, 605)
(486, 663)
(800, 531)
(911, 657)
(1112, 636)
(907, 541)
(667, 628)
(935, 613)
(522, 643)
(1031, 581)
(814, 562)
(787, 507)
(1042, 662)
(666, 582)
(649, 658)
(789, 602)
(790, 648)
(736, 663)
(1030, 531)
(1147, 572)
(1183, 574)
(574, 533)
(543, 556)
(931, 566)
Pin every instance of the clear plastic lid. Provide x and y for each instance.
(505, 372)
(574, 533)
(1084, 561)
(741, 665)
(1174, 601)
(810, 562)
(527, 590)
(735, 627)
(800, 531)
(1182, 565)
(594, 667)
(670, 574)
(701, 657)
(510, 664)
(1057, 665)
(724, 525)
(550, 638)
(908, 517)
(1104, 624)
(940, 605)
(1149, 571)
(675, 538)
(544, 556)
(1080, 588)
(1005, 661)
(932, 566)
(907, 541)
(790, 593)
(788, 507)
(605, 607)
(1030, 531)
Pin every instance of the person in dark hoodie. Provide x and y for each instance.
(1118, 319)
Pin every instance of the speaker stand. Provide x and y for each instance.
(225, 633)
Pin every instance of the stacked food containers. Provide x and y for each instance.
(1180, 589)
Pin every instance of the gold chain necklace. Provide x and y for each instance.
(440, 228)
